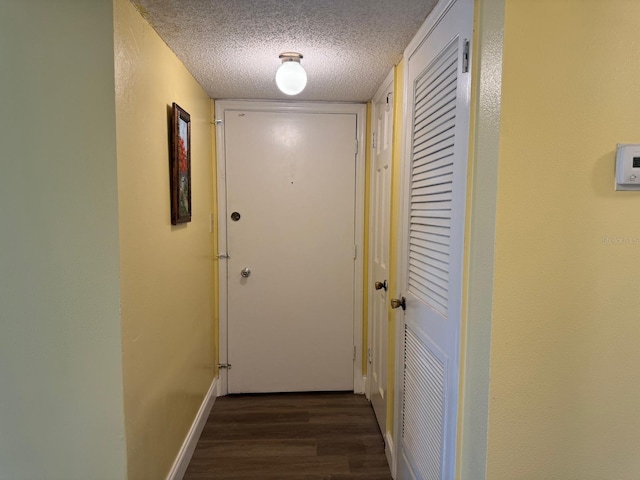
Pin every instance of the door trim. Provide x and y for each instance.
(357, 109)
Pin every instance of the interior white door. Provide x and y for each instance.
(379, 248)
(290, 181)
(438, 90)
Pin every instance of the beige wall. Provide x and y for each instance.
(565, 383)
(61, 413)
(167, 283)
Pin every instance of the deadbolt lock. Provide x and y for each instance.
(399, 302)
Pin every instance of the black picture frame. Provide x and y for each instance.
(180, 166)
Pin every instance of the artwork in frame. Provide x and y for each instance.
(180, 166)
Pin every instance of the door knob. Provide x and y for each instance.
(245, 272)
(380, 285)
(399, 302)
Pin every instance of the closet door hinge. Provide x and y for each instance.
(224, 366)
(465, 56)
(217, 121)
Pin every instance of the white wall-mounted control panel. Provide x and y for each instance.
(628, 166)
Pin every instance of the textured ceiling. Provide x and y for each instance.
(232, 46)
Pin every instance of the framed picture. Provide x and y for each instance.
(180, 165)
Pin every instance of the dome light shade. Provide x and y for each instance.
(291, 77)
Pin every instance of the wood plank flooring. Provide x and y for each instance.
(290, 436)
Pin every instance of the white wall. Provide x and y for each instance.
(61, 412)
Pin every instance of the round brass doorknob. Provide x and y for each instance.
(399, 302)
(380, 285)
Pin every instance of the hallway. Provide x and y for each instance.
(290, 436)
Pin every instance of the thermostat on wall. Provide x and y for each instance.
(628, 166)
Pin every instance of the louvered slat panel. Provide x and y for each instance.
(433, 157)
(440, 295)
(439, 111)
(432, 148)
(436, 114)
(429, 195)
(431, 235)
(434, 165)
(437, 102)
(417, 286)
(423, 403)
(432, 76)
(418, 207)
(437, 139)
(436, 127)
(430, 258)
(431, 241)
(426, 179)
(431, 253)
(436, 218)
(433, 79)
(436, 234)
(432, 212)
(433, 284)
(433, 198)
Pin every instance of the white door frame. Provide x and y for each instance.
(421, 36)
(358, 109)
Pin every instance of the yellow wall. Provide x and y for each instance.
(565, 382)
(167, 283)
(61, 413)
(365, 253)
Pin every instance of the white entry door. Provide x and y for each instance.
(290, 206)
(380, 209)
(438, 93)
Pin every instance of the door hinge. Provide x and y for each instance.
(369, 354)
(218, 121)
(465, 56)
(355, 252)
(354, 352)
(357, 146)
(224, 366)
(223, 255)
(373, 140)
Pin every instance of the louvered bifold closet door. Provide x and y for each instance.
(431, 191)
(434, 212)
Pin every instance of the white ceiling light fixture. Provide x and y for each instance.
(291, 77)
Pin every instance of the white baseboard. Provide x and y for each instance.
(189, 445)
(390, 453)
(359, 385)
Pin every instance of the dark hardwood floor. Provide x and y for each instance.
(290, 436)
